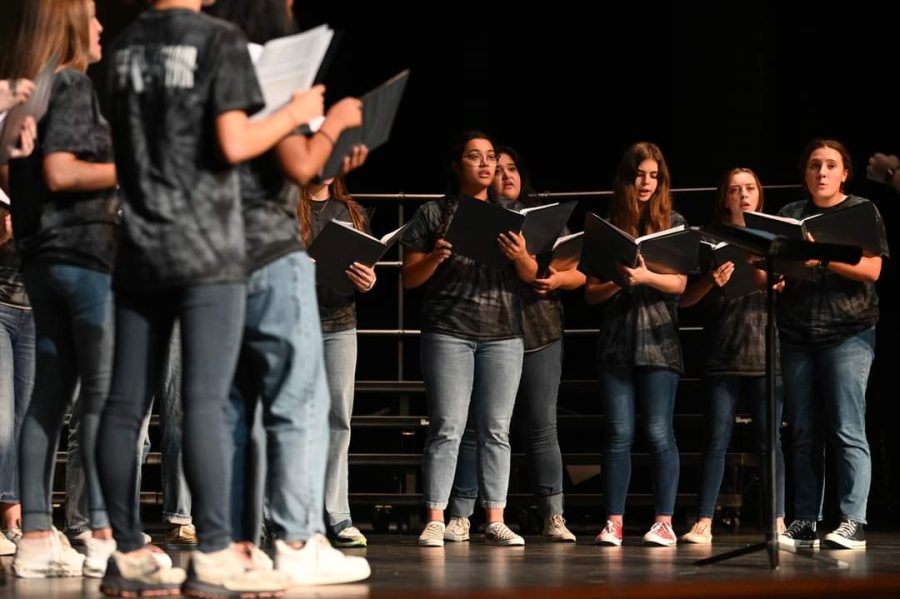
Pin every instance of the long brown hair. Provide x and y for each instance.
(723, 214)
(625, 210)
(44, 28)
(337, 191)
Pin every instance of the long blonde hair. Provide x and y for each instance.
(337, 190)
(47, 28)
(625, 210)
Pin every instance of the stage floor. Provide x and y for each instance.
(400, 567)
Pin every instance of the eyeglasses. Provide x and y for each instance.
(478, 158)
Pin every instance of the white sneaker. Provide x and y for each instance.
(7, 547)
(661, 534)
(147, 538)
(457, 530)
(47, 557)
(145, 572)
(224, 574)
(317, 562)
(700, 534)
(555, 530)
(98, 554)
(433, 535)
(79, 539)
(498, 533)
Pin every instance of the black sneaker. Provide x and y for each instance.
(801, 533)
(849, 535)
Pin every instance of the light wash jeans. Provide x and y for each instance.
(459, 373)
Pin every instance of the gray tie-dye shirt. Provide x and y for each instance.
(831, 308)
(71, 227)
(639, 327)
(463, 298)
(173, 72)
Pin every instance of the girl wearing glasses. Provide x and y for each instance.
(735, 358)
(638, 349)
(542, 321)
(471, 348)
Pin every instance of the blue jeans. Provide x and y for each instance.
(211, 317)
(536, 406)
(722, 394)
(340, 366)
(16, 381)
(622, 391)
(281, 363)
(74, 325)
(825, 397)
(460, 373)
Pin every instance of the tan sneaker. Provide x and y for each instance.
(226, 573)
(349, 537)
(498, 533)
(98, 553)
(700, 534)
(555, 530)
(145, 572)
(181, 534)
(433, 535)
(457, 530)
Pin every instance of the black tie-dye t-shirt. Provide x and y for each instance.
(463, 298)
(639, 327)
(72, 227)
(829, 309)
(173, 72)
(269, 204)
(12, 282)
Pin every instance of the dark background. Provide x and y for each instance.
(571, 86)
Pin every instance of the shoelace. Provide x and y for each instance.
(795, 528)
(433, 529)
(662, 529)
(502, 532)
(846, 529)
(611, 527)
(557, 520)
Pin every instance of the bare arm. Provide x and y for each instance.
(641, 275)
(419, 266)
(696, 290)
(866, 271)
(597, 291)
(241, 139)
(63, 171)
(302, 158)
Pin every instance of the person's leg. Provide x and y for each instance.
(845, 369)
(143, 324)
(448, 369)
(498, 369)
(16, 382)
(657, 388)
(340, 366)
(722, 394)
(176, 496)
(801, 389)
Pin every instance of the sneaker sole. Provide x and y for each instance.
(129, 588)
(456, 538)
(606, 543)
(557, 538)
(343, 578)
(195, 588)
(659, 543)
(509, 543)
(431, 543)
(799, 544)
(51, 572)
(349, 544)
(696, 541)
(842, 543)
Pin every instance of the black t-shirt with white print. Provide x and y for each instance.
(173, 72)
(337, 310)
(831, 308)
(463, 298)
(72, 227)
(639, 327)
